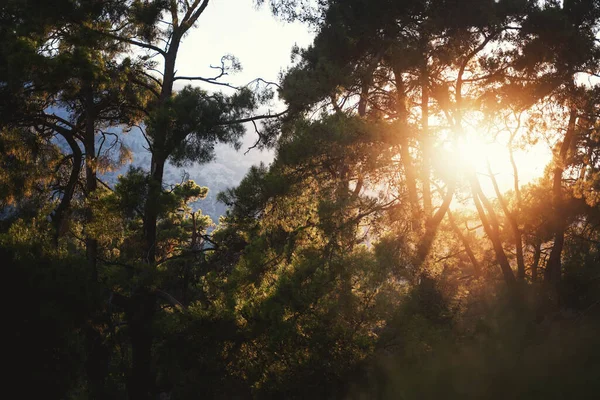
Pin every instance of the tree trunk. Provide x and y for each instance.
(492, 230)
(91, 184)
(364, 97)
(409, 170)
(512, 220)
(152, 208)
(431, 227)
(159, 157)
(98, 355)
(520, 256)
(537, 248)
(516, 230)
(426, 142)
(142, 307)
(466, 245)
(552, 274)
(65, 202)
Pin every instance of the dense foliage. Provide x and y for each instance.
(367, 261)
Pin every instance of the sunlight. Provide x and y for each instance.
(475, 151)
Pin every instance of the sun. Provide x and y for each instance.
(479, 153)
(484, 155)
(471, 153)
(475, 153)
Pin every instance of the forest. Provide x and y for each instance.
(395, 248)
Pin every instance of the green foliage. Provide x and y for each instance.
(193, 121)
(338, 270)
(24, 161)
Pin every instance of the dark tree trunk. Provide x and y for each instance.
(520, 257)
(65, 202)
(152, 208)
(141, 311)
(492, 230)
(512, 220)
(411, 184)
(98, 354)
(409, 169)
(536, 261)
(466, 245)
(426, 141)
(516, 230)
(159, 156)
(431, 227)
(91, 184)
(552, 274)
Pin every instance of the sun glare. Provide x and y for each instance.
(477, 152)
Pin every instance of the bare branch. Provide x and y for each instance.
(198, 12)
(143, 45)
(186, 253)
(254, 118)
(268, 83)
(260, 136)
(212, 81)
(147, 86)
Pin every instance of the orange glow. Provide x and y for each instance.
(474, 151)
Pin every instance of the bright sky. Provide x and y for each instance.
(261, 43)
(476, 153)
(530, 162)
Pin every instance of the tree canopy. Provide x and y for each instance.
(382, 254)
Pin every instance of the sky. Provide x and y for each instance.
(262, 44)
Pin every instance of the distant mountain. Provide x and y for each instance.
(227, 170)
